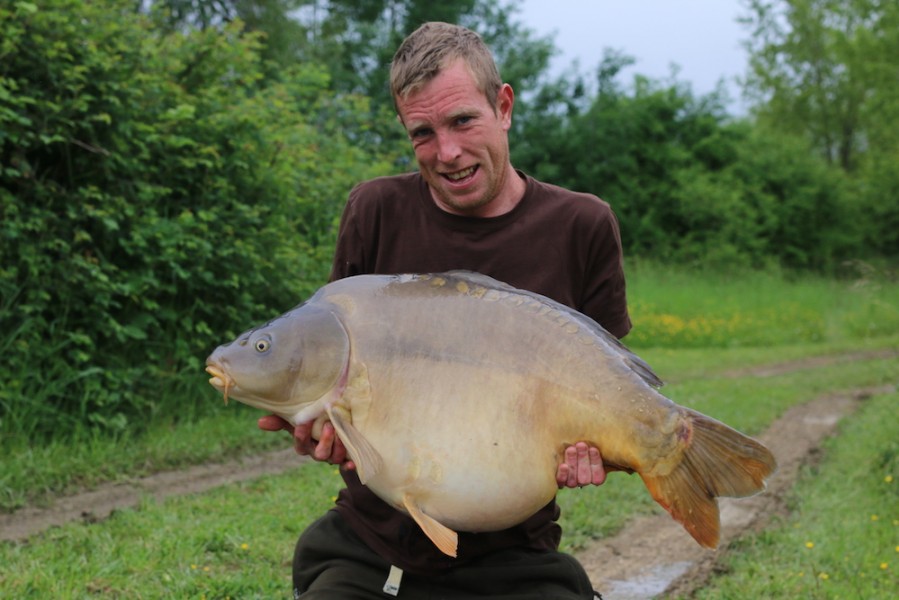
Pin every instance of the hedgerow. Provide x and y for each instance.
(159, 193)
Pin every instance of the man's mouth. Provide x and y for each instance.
(460, 175)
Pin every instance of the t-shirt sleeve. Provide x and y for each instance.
(605, 298)
(349, 252)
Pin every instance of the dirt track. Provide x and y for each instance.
(651, 556)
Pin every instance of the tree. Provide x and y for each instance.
(827, 69)
(284, 38)
(355, 39)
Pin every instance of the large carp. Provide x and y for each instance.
(456, 395)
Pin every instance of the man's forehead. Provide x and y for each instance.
(452, 93)
(415, 119)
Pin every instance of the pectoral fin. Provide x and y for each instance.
(368, 460)
(443, 537)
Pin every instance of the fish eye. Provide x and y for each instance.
(262, 345)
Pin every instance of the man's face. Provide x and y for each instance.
(461, 142)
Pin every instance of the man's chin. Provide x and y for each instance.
(460, 206)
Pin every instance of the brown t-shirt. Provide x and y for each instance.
(555, 242)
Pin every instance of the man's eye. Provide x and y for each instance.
(463, 120)
(420, 133)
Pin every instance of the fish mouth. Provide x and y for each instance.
(220, 380)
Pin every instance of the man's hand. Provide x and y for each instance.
(328, 448)
(582, 466)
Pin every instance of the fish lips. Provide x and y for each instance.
(220, 380)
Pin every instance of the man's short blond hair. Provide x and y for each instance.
(431, 48)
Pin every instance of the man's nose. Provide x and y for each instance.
(448, 149)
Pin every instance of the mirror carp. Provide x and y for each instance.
(456, 396)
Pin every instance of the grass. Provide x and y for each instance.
(32, 475)
(234, 541)
(237, 541)
(680, 309)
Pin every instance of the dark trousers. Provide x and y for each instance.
(331, 562)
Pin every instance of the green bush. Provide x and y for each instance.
(158, 196)
(687, 182)
(771, 202)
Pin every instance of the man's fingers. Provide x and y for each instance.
(584, 474)
(325, 443)
(273, 423)
(338, 451)
(302, 439)
(597, 470)
(581, 465)
(568, 469)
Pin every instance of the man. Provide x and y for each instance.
(466, 208)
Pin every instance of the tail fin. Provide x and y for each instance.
(717, 461)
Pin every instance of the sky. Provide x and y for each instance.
(701, 37)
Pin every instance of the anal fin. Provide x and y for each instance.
(443, 537)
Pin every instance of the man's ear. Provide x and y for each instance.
(505, 100)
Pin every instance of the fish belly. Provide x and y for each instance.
(470, 444)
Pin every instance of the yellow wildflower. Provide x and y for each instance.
(888, 479)
(874, 517)
(244, 546)
(823, 576)
(884, 565)
(810, 544)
